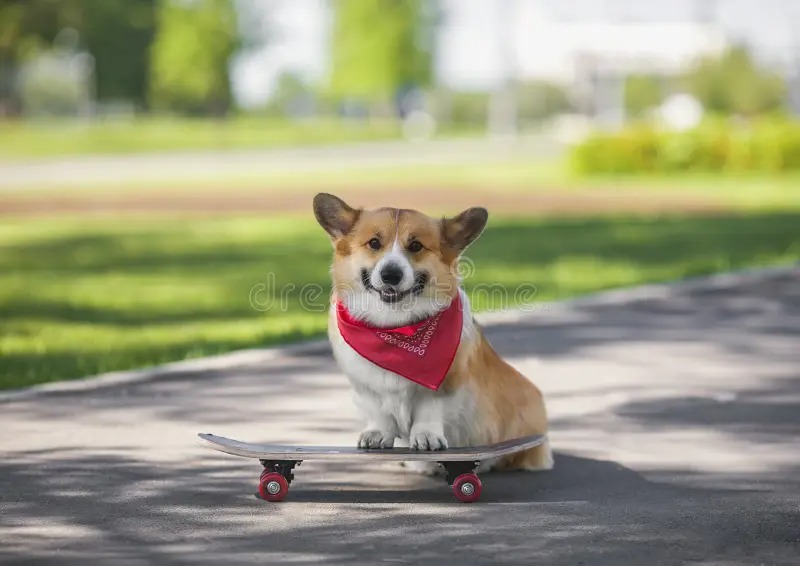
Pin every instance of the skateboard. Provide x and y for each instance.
(279, 461)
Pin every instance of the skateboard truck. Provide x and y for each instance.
(277, 475)
(273, 485)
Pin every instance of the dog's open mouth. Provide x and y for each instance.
(392, 295)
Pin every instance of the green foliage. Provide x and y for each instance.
(734, 84)
(29, 26)
(537, 100)
(116, 32)
(380, 46)
(770, 145)
(193, 46)
(465, 108)
(642, 92)
(631, 150)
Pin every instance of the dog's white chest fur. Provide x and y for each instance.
(377, 392)
(394, 406)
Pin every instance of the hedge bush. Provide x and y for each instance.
(718, 146)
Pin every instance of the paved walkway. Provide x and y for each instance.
(167, 167)
(676, 424)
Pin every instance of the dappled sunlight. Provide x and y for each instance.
(656, 449)
(84, 297)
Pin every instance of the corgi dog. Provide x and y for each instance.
(422, 373)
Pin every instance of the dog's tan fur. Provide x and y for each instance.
(509, 404)
(495, 401)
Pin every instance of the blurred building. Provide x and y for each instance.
(475, 42)
(481, 42)
(559, 50)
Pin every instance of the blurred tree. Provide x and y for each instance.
(26, 28)
(194, 43)
(381, 47)
(734, 84)
(464, 108)
(642, 92)
(537, 100)
(116, 32)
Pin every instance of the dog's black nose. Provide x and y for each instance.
(391, 274)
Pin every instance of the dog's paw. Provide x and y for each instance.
(424, 440)
(375, 439)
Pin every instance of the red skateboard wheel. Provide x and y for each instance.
(467, 488)
(273, 486)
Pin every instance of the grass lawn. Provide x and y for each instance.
(70, 137)
(82, 295)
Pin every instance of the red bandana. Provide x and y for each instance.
(422, 352)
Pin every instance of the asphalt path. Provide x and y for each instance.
(675, 421)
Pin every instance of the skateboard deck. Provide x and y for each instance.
(298, 453)
(279, 460)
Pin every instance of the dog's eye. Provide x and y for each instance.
(414, 246)
(374, 243)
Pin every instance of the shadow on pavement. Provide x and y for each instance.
(115, 508)
(709, 449)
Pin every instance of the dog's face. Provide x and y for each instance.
(393, 266)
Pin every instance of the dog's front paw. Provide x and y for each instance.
(425, 440)
(375, 439)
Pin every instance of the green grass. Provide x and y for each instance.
(70, 137)
(80, 296)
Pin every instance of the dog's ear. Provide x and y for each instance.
(334, 215)
(460, 231)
